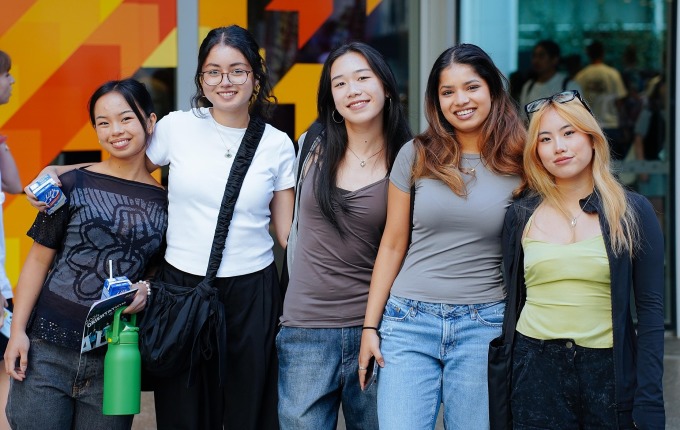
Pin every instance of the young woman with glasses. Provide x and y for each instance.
(340, 217)
(435, 304)
(232, 86)
(576, 246)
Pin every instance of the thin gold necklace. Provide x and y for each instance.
(362, 163)
(470, 170)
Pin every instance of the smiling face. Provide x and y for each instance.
(119, 130)
(465, 99)
(6, 82)
(565, 152)
(228, 98)
(358, 93)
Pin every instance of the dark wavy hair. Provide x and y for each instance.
(396, 129)
(502, 135)
(134, 93)
(241, 39)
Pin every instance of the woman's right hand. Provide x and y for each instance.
(41, 206)
(370, 347)
(17, 347)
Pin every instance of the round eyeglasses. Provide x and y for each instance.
(215, 77)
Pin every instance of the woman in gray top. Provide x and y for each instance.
(439, 300)
(340, 211)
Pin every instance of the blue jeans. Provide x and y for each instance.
(557, 384)
(63, 390)
(436, 353)
(318, 370)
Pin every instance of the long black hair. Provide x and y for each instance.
(134, 93)
(241, 39)
(396, 129)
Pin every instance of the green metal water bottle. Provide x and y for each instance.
(122, 368)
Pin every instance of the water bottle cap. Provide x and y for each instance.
(129, 335)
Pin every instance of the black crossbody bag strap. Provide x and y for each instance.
(244, 158)
(216, 328)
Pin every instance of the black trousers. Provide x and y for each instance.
(559, 385)
(248, 400)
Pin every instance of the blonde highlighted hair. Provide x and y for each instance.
(622, 222)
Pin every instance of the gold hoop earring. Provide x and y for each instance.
(335, 120)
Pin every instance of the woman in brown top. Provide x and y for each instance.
(341, 206)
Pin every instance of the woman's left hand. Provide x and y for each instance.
(141, 297)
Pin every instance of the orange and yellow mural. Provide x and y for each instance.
(63, 49)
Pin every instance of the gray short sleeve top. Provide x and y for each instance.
(455, 253)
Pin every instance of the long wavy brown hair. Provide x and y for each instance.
(438, 151)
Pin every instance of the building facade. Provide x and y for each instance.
(62, 50)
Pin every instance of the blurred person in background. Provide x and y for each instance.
(604, 91)
(546, 79)
(9, 175)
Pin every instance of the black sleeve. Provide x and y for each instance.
(49, 230)
(648, 288)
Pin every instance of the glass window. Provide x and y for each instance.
(556, 41)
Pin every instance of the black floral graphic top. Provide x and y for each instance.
(105, 218)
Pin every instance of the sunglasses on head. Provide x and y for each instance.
(563, 97)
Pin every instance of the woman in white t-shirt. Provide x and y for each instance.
(232, 85)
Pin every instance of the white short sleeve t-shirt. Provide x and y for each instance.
(194, 146)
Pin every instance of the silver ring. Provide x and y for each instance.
(362, 368)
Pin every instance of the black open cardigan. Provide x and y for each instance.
(638, 350)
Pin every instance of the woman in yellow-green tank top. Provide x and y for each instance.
(575, 244)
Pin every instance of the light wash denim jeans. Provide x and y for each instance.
(63, 390)
(436, 353)
(318, 370)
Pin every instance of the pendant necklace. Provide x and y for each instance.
(575, 219)
(470, 170)
(228, 154)
(362, 163)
